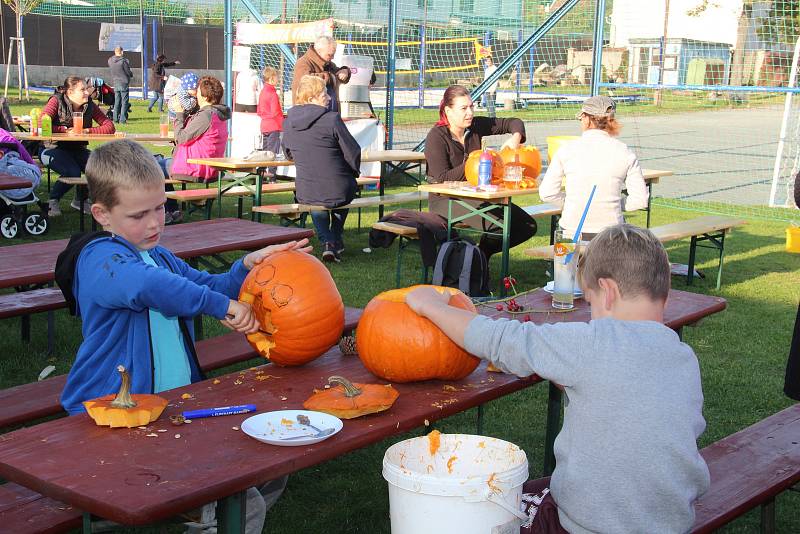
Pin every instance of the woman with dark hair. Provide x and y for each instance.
(68, 158)
(447, 146)
(596, 158)
(157, 81)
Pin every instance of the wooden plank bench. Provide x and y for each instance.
(23, 510)
(748, 469)
(546, 210)
(710, 228)
(25, 303)
(295, 213)
(33, 401)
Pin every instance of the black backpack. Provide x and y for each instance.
(462, 265)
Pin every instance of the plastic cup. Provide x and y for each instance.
(512, 176)
(163, 125)
(565, 262)
(77, 122)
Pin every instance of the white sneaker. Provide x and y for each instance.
(87, 205)
(53, 209)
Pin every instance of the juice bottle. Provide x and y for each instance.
(35, 121)
(485, 168)
(47, 125)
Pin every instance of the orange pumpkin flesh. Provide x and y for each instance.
(349, 400)
(124, 409)
(398, 345)
(298, 306)
(471, 167)
(528, 157)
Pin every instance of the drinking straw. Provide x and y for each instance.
(580, 223)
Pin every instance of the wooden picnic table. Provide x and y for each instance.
(135, 478)
(12, 182)
(56, 137)
(34, 263)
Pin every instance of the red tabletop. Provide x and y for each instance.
(138, 476)
(12, 182)
(34, 263)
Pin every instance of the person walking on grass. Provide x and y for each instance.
(121, 74)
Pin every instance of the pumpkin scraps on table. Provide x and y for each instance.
(396, 344)
(125, 409)
(349, 400)
(298, 306)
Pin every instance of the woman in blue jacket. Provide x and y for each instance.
(327, 160)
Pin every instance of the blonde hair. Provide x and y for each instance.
(309, 87)
(631, 256)
(121, 164)
(269, 73)
(608, 123)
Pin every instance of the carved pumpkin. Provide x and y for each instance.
(298, 306)
(528, 157)
(349, 400)
(124, 409)
(471, 167)
(396, 344)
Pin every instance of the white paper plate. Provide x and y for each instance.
(275, 427)
(549, 288)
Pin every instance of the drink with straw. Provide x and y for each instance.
(163, 125)
(77, 122)
(565, 261)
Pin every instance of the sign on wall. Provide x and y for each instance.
(128, 36)
(301, 32)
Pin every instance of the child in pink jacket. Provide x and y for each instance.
(271, 113)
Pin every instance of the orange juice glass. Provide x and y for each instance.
(163, 125)
(77, 122)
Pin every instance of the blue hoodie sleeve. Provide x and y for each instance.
(114, 276)
(226, 283)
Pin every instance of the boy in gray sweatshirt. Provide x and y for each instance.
(626, 457)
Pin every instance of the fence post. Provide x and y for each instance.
(597, 59)
(390, 74)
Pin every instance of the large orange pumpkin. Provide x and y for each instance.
(471, 167)
(298, 305)
(528, 157)
(396, 344)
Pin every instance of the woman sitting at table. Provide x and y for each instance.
(596, 158)
(68, 158)
(447, 147)
(327, 158)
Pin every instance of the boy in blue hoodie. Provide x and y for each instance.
(136, 298)
(626, 456)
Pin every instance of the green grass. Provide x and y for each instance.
(742, 353)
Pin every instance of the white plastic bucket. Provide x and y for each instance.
(470, 485)
(360, 68)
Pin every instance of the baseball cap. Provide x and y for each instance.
(189, 81)
(598, 106)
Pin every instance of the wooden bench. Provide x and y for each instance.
(710, 228)
(750, 468)
(546, 210)
(25, 303)
(295, 213)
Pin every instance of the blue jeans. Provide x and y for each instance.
(158, 96)
(69, 163)
(121, 98)
(165, 164)
(329, 225)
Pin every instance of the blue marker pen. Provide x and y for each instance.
(215, 412)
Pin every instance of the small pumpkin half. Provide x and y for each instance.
(125, 409)
(348, 400)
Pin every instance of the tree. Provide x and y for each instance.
(309, 10)
(21, 8)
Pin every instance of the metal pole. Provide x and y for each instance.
(143, 35)
(19, 56)
(597, 58)
(421, 79)
(390, 74)
(228, 38)
(787, 109)
(657, 94)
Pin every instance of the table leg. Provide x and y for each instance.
(231, 513)
(649, 201)
(553, 426)
(449, 218)
(381, 185)
(87, 523)
(479, 424)
(259, 181)
(506, 226)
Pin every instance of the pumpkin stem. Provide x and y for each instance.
(123, 398)
(349, 389)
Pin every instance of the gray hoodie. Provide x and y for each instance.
(121, 72)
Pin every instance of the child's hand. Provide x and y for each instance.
(256, 257)
(422, 298)
(240, 317)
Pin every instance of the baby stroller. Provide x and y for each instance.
(14, 216)
(14, 210)
(102, 93)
